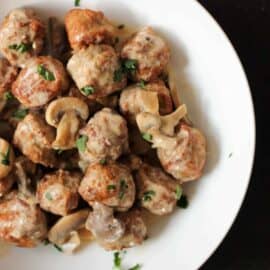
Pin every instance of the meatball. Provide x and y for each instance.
(21, 221)
(8, 74)
(94, 71)
(157, 191)
(136, 99)
(107, 136)
(6, 158)
(34, 138)
(110, 184)
(135, 231)
(186, 161)
(149, 51)
(6, 184)
(21, 36)
(41, 80)
(85, 27)
(58, 192)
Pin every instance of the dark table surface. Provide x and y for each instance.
(247, 23)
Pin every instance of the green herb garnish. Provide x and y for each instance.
(45, 73)
(58, 248)
(147, 195)
(81, 143)
(59, 151)
(103, 161)
(121, 26)
(183, 202)
(5, 161)
(21, 48)
(141, 84)
(88, 90)
(8, 96)
(48, 196)
(148, 137)
(136, 267)
(130, 65)
(46, 242)
(117, 261)
(111, 187)
(20, 113)
(118, 75)
(123, 188)
(77, 3)
(178, 192)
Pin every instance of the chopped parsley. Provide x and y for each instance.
(117, 261)
(46, 242)
(88, 90)
(141, 84)
(21, 48)
(147, 195)
(59, 151)
(5, 161)
(178, 192)
(130, 65)
(103, 161)
(136, 267)
(118, 75)
(111, 187)
(148, 137)
(20, 113)
(183, 202)
(121, 26)
(123, 188)
(77, 3)
(45, 73)
(81, 143)
(58, 248)
(8, 96)
(48, 196)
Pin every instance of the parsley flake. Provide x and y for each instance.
(103, 161)
(147, 195)
(136, 267)
(111, 187)
(81, 143)
(117, 261)
(45, 73)
(58, 248)
(5, 161)
(77, 3)
(20, 113)
(130, 65)
(183, 202)
(123, 188)
(48, 196)
(148, 137)
(8, 96)
(141, 84)
(21, 48)
(178, 192)
(118, 75)
(88, 90)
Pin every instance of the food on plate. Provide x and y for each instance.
(93, 137)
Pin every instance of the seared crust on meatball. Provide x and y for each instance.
(21, 221)
(58, 192)
(33, 89)
(156, 190)
(150, 51)
(107, 135)
(8, 74)
(96, 67)
(111, 185)
(21, 36)
(85, 27)
(186, 161)
(34, 138)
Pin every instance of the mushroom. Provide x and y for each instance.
(6, 158)
(103, 225)
(72, 243)
(65, 114)
(61, 232)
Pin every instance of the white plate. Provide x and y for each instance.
(215, 88)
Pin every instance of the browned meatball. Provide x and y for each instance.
(110, 184)
(157, 191)
(21, 36)
(58, 192)
(8, 74)
(135, 231)
(150, 51)
(41, 80)
(135, 99)
(85, 27)
(34, 138)
(93, 70)
(6, 184)
(186, 161)
(107, 136)
(21, 221)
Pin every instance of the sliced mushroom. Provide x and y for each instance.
(62, 230)
(65, 115)
(6, 158)
(72, 244)
(103, 225)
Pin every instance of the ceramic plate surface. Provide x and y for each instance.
(214, 87)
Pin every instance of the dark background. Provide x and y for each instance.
(247, 24)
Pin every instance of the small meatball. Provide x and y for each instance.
(150, 51)
(135, 231)
(8, 74)
(95, 67)
(134, 100)
(107, 135)
(21, 36)
(6, 184)
(6, 158)
(186, 161)
(34, 138)
(58, 192)
(40, 81)
(21, 221)
(110, 184)
(85, 27)
(157, 191)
